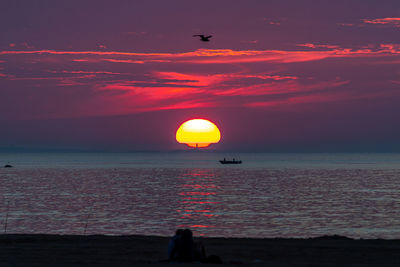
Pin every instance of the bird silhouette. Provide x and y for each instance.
(203, 38)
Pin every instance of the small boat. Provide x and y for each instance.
(233, 161)
(8, 166)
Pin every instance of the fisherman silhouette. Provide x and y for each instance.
(203, 38)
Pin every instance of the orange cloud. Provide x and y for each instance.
(211, 56)
(124, 61)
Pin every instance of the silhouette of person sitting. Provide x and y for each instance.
(172, 243)
(183, 248)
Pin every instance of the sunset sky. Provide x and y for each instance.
(276, 76)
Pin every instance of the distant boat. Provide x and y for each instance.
(8, 166)
(233, 161)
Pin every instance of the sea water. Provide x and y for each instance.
(268, 195)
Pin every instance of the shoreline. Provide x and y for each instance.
(136, 250)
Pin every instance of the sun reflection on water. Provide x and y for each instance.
(198, 199)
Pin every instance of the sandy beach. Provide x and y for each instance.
(66, 250)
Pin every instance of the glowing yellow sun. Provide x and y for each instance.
(198, 133)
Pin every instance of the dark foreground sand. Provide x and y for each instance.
(56, 250)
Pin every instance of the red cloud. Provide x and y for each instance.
(86, 72)
(313, 98)
(190, 79)
(150, 92)
(383, 21)
(279, 88)
(184, 80)
(310, 45)
(390, 48)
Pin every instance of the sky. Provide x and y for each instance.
(277, 76)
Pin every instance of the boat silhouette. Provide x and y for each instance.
(233, 161)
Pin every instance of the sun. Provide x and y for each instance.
(198, 133)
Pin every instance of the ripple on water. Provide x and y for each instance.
(214, 202)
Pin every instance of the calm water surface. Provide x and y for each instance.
(269, 195)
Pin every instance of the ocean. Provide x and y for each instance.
(269, 195)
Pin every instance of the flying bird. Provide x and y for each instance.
(203, 38)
